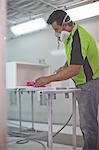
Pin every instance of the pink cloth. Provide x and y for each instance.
(32, 83)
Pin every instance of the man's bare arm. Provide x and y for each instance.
(61, 68)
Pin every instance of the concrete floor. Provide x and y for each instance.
(34, 146)
(62, 141)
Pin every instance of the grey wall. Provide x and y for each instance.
(31, 48)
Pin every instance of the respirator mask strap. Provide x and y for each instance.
(64, 20)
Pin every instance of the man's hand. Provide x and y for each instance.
(42, 81)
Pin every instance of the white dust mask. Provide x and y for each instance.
(64, 36)
(61, 37)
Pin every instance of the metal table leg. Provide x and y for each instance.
(32, 109)
(50, 134)
(74, 121)
(20, 113)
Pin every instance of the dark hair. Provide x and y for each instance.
(58, 16)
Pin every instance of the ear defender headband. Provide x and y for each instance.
(64, 20)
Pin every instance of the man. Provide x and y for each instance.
(83, 67)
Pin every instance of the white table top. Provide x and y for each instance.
(46, 89)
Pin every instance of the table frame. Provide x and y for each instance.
(50, 92)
